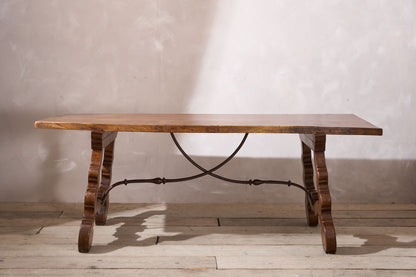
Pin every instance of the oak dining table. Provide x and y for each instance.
(312, 129)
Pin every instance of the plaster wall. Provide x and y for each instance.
(206, 56)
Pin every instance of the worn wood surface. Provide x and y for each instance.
(207, 240)
(311, 217)
(99, 178)
(211, 272)
(342, 124)
(106, 172)
(323, 206)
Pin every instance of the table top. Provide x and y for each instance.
(337, 124)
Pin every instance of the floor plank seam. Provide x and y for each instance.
(208, 240)
(216, 262)
(40, 229)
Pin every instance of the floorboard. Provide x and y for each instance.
(207, 240)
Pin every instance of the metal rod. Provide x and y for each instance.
(255, 182)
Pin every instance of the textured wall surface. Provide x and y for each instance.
(205, 56)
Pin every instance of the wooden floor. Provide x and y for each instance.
(207, 240)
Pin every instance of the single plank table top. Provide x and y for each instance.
(331, 124)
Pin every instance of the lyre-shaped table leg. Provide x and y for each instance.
(102, 208)
(324, 208)
(310, 200)
(99, 141)
(86, 230)
(322, 205)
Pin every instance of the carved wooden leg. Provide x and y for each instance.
(311, 216)
(322, 206)
(87, 224)
(99, 140)
(102, 208)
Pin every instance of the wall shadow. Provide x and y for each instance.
(350, 181)
(170, 38)
(31, 156)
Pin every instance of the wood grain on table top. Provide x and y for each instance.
(340, 124)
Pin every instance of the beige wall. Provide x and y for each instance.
(204, 56)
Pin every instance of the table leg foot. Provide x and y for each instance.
(329, 240)
(86, 233)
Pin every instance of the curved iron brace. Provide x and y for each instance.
(250, 182)
(210, 172)
(159, 180)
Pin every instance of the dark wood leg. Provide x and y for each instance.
(102, 208)
(311, 216)
(322, 207)
(87, 224)
(99, 141)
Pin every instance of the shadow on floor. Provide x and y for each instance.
(132, 232)
(374, 244)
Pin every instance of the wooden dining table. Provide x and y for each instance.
(312, 130)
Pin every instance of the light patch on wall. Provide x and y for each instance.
(330, 87)
(367, 88)
(381, 50)
(412, 43)
(405, 99)
(73, 23)
(64, 165)
(43, 152)
(158, 45)
(5, 9)
(156, 27)
(149, 23)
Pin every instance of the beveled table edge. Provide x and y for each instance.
(48, 123)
